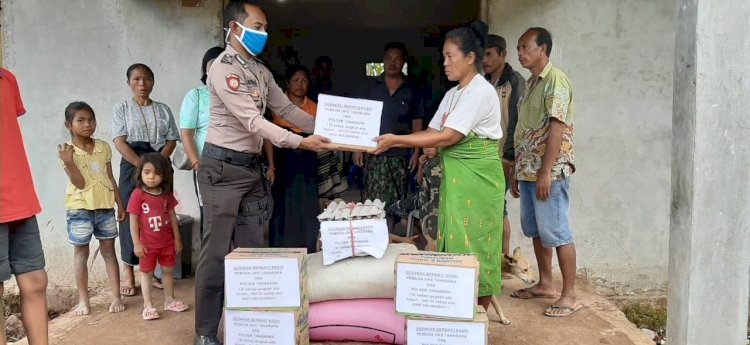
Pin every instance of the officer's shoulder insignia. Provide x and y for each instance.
(233, 81)
(226, 59)
(240, 59)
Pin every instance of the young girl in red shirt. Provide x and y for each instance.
(155, 230)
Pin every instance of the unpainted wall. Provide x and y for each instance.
(79, 50)
(619, 56)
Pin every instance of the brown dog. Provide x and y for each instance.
(516, 266)
(513, 266)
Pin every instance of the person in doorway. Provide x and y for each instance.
(466, 129)
(139, 125)
(194, 118)
(322, 78)
(236, 197)
(509, 85)
(386, 174)
(89, 199)
(543, 166)
(21, 253)
(294, 223)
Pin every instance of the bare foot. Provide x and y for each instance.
(81, 309)
(400, 239)
(116, 306)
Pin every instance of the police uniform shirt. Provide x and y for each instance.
(240, 90)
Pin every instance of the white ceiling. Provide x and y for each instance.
(369, 14)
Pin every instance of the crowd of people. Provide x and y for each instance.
(255, 161)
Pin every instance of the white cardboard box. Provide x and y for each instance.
(265, 278)
(243, 327)
(427, 331)
(442, 285)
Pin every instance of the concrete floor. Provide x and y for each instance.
(599, 323)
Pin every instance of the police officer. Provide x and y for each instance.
(236, 196)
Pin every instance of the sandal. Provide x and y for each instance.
(150, 314)
(157, 284)
(527, 293)
(176, 306)
(567, 310)
(127, 290)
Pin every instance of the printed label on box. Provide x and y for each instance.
(370, 238)
(251, 328)
(429, 332)
(262, 283)
(435, 290)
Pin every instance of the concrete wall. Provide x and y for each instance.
(80, 50)
(620, 57)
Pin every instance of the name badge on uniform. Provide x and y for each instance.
(233, 81)
(240, 59)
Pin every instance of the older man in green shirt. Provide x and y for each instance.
(543, 166)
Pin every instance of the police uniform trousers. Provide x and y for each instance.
(236, 204)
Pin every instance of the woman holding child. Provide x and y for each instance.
(466, 128)
(139, 125)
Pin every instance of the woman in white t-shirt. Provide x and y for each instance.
(466, 128)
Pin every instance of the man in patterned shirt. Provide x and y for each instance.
(543, 165)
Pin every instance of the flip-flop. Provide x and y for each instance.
(127, 290)
(569, 310)
(157, 283)
(528, 294)
(176, 306)
(150, 314)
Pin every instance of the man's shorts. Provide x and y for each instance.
(165, 256)
(547, 219)
(20, 248)
(84, 223)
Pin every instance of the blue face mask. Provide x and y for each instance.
(252, 40)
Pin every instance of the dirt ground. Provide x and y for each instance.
(599, 323)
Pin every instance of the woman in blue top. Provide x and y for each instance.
(194, 119)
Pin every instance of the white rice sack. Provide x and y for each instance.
(354, 278)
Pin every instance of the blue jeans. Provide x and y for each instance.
(547, 219)
(82, 224)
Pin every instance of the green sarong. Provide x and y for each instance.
(472, 193)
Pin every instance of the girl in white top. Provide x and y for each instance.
(466, 128)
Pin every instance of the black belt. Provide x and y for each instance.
(231, 156)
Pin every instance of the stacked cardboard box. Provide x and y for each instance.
(437, 292)
(427, 331)
(266, 298)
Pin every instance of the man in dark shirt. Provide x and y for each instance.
(386, 175)
(509, 85)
